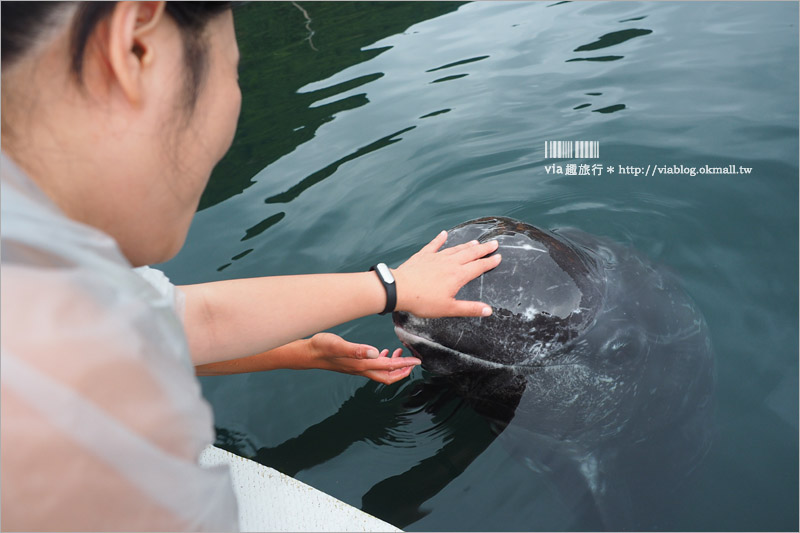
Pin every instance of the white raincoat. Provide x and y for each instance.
(102, 419)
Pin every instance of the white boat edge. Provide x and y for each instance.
(271, 501)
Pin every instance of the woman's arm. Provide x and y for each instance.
(324, 351)
(239, 318)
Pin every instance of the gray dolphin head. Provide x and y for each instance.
(595, 365)
(544, 294)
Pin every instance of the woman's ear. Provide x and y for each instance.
(130, 44)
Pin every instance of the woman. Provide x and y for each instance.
(113, 116)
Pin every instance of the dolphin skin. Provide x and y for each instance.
(595, 368)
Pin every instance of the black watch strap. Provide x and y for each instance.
(385, 275)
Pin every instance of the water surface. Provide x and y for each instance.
(372, 127)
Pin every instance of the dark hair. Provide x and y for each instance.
(23, 22)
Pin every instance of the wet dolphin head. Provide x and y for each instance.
(595, 366)
(544, 294)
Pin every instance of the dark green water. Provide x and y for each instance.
(397, 120)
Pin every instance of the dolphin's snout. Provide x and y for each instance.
(406, 339)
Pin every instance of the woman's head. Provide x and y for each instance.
(120, 110)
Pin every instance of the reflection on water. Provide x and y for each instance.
(404, 119)
(329, 170)
(458, 63)
(370, 416)
(280, 54)
(611, 39)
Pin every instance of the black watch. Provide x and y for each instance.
(385, 275)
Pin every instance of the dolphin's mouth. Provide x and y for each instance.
(409, 339)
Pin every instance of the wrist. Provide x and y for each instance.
(386, 277)
(309, 352)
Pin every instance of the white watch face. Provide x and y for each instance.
(385, 273)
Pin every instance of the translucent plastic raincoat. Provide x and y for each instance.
(101, 418)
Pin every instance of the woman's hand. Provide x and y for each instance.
(324, 351)
(427, 283)
(331, 352)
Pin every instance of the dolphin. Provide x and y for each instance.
(595, 368)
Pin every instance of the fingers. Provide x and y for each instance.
(472, 250)
(387, 378)
(466, 308)
(383, 369)
(459, 247)
(475, 269)
(329, 343)
(384, 362)
(479, 266)
(396, 375)
(362, 351)
(392, 363)
(471, 253)
(436, 243)
(366, 352)
(388, 370)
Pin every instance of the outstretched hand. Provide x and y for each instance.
(331, 352)
(427, 283)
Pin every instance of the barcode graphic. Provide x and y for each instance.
(570, 149)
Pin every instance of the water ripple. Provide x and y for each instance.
(613, 39)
